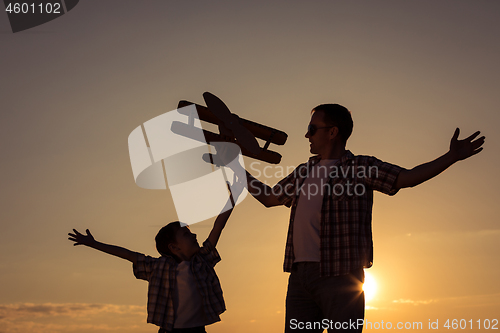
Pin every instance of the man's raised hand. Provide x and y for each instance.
(81, 239)
(462, 149)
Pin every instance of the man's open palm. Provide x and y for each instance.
(462, 149)
(81, 239)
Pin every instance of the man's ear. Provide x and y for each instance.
(334, 132)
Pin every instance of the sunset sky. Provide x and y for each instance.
(73, 89)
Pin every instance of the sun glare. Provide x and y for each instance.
(369, 287)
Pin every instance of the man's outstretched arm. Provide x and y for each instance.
(262, 192)
(88, 240)
(459, 150)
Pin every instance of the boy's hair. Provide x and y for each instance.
(167, 236)
(338, 116)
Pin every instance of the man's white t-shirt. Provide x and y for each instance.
(306, 225)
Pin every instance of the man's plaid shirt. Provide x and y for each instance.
(161, 275)
(345, 227)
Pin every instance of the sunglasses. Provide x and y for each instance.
(312, 129)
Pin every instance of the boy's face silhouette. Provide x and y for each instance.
(185, 245)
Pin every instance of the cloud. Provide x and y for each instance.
(488, 232)
(480, 244)
(470, 301)
(368, 307)
(72, 317)
(66, 309)
(475, 234)
(460, 301)
(410, 301)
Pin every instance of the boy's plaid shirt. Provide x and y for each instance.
(161, 272)
(345, 227)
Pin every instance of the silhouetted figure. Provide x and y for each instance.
(330, 237)
(184, 293)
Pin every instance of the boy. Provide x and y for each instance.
(184, 293)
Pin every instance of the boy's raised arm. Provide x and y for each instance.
(219, 224)
(220, 221)
(88, 240)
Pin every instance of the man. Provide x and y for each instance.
(329, 237)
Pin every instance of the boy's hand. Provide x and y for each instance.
(228, 156)
(227, 153)
(462, 149)
(81, 239)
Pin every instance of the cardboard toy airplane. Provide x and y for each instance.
(232, 129)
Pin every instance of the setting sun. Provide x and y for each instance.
(369, 287)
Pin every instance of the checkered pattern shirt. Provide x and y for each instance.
(161, 275)
(346, 214)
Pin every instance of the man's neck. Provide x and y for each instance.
(333, 154)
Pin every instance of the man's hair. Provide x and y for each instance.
(338, 116)
(165, 237)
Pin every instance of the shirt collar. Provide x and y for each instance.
(313, 160)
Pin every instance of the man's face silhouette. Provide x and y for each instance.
(320, 140)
